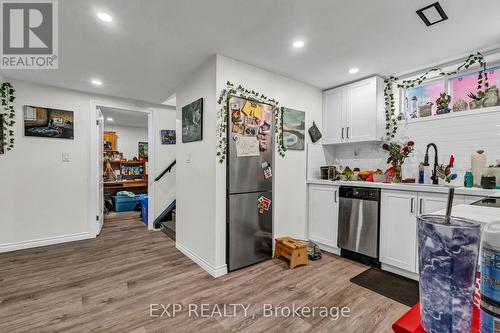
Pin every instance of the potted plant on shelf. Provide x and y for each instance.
(397, 155)
(476, 99)
(442, 103)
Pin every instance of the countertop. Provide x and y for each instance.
(410, 187)
(476, 213)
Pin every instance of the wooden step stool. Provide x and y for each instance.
(293, 250)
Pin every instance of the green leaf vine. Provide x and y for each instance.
(7, 115)
(231, 90)
(391, 124)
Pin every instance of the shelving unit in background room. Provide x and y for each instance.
(130, 176)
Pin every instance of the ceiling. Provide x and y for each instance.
(152, 45)
(124, 117)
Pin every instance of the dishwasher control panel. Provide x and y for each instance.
(361, 193)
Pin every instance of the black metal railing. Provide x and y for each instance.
(168, 169)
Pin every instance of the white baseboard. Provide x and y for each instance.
(326, 248)
(28, 244)
(214, 271)
(329, 249)
(399, 271)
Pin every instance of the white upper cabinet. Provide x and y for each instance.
(354, 113)
(333, 101)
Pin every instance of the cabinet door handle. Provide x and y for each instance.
(348, 132)
(335, 197)
(342, 133)
(412, 202)
(421, 206)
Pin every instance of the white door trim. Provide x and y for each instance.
(93, 158)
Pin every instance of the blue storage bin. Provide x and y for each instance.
(125, 203)
(144, 208)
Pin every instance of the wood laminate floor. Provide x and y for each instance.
(107, 285)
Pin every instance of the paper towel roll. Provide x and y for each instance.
(478, 163)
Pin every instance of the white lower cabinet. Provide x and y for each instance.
(398, 229)
(398, 224)
(323, 215)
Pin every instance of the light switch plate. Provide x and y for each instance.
(188, 157)
(65, 157)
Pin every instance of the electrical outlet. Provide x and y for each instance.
(65, 157)
(188, 157)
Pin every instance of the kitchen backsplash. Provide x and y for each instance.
(460, 136)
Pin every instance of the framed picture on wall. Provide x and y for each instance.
(48, 123)
(143, 150)
(167, 137)
(294, 128)
(192, 121)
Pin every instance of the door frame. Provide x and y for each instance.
(93, 176)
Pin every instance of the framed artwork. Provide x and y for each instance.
(167, 137)
(48, 123)
(192, 121)
(294, 128)
(143, 150)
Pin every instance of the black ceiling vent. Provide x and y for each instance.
(432, 14)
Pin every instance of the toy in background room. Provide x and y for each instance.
(442, 103)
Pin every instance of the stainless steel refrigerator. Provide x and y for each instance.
(249, 183)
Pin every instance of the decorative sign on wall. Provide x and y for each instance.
(294, 128)
(167, 137)
(192, 121)
(48, 123)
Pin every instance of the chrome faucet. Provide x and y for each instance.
(434, 176)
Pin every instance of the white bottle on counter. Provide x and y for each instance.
(478, 163)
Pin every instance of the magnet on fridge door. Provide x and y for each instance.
(263, 204)
(268, 171)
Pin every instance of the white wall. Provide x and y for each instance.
(42, 199)
(128, 138)
(201, 193)
(195, 179)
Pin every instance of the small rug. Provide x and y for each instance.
(395, 287)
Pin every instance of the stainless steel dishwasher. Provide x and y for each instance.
(358, 230)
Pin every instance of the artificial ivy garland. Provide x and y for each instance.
(251, 95)
(390, 117)
(7, 115)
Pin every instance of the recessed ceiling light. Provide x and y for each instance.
(432, 14)
(104, 17)
(96, 82)
(298, 44)
(353, 70)
(109, 119)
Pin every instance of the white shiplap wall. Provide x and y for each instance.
(459, 135)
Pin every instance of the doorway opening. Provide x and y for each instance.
(125, 158)
(124, 165)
